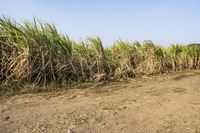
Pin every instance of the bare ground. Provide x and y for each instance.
(165, 103)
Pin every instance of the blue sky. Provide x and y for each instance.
(162, 21)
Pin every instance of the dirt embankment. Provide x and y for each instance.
(166, 103)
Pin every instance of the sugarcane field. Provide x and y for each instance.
(51, 82)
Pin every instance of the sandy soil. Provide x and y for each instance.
(165, 103)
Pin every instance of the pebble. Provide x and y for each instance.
(7, 118)
(70, 131)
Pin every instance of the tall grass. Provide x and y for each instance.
(35, 52)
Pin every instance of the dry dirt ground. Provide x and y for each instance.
(164, 103)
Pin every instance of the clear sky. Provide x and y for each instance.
(162, 21)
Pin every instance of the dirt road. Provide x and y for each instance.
(165, 103)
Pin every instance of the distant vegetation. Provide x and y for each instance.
(34, 52)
